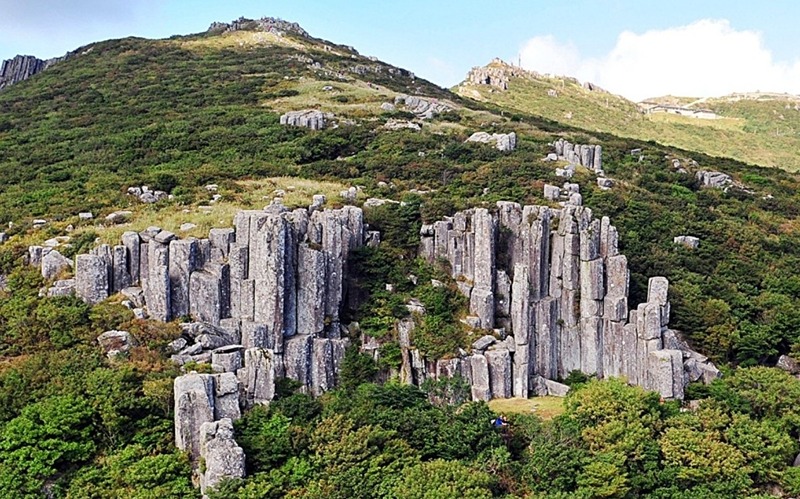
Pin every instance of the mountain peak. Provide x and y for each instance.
(269, 24)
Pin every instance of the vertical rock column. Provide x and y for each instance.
(184, 257)
(481, 301)
(615, 303)
(592, 291)
(91, 278)
(158, 290)
(569, 306)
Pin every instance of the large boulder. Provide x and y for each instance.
(223, 457)
(53, 264)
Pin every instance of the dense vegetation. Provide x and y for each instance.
(178, 116)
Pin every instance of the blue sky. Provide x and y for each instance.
(442, 40)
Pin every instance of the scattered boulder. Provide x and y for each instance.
(3, 237)
(605, 183)
(223, 457)
(502, 141)
(119, 217)
(688, 241)
(187, 226)
(388, 107)
(307, 118)
(788, 364)
(85, 215)
(483, 342)
(551, 192)
(53, 264)
(714, 180)
(423, 107)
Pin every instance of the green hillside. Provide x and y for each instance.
(181, 113)
(761, 129)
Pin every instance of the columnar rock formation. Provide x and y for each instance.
(20, 68)
(268, 24)
(589, 156)
(554, 281)
(308, 118)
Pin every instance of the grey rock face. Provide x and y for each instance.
(223, 457)
(194, 406)
(53, 264)
(91, 278)
(714, 180)
(261, 367)
(20, 68)
(569, 289)
(788, 364)
(308, 118)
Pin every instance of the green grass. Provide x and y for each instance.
(544, 407)
(757, 131)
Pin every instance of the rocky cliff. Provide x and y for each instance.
(554, 281)
(547, 288)
(20, 68)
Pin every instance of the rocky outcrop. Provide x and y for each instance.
(222, 456)
(307, 118)
(269, 24)
(553, 279)
(423, 107)
(589, 156)
(271, 290)
(502, 141)
(496, 74)
(714, 180)
(20, 68)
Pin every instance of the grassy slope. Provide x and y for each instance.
(194, 110)
(761, 132)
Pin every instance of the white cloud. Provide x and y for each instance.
(705, 58)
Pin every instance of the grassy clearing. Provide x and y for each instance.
(239, 39)
(544, 407)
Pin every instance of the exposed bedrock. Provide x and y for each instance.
(566, 306)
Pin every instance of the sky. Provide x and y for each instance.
(635, 48)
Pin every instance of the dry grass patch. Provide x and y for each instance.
(544, 407)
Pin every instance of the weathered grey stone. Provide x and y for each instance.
(665, 373)
(91, 278)
(311, 290)
(226, 395)
(194, 405)
(297, 358)
(499, 362)
(53, 264)
(207, 296)
(308, 118)
(322, 378)
(184, 256)
(222, 457)
(157, 289)
(135, 295)
(688, 241)
(483, 342)
(480, 381)
(164, 237)
(788, 364)
(258, 375)
(227, 358)
(222, 239)
(132, 243)
(657, 290)
(551, 192)
(254, 334)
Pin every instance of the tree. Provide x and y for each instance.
(48, 437)
(440, 479)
